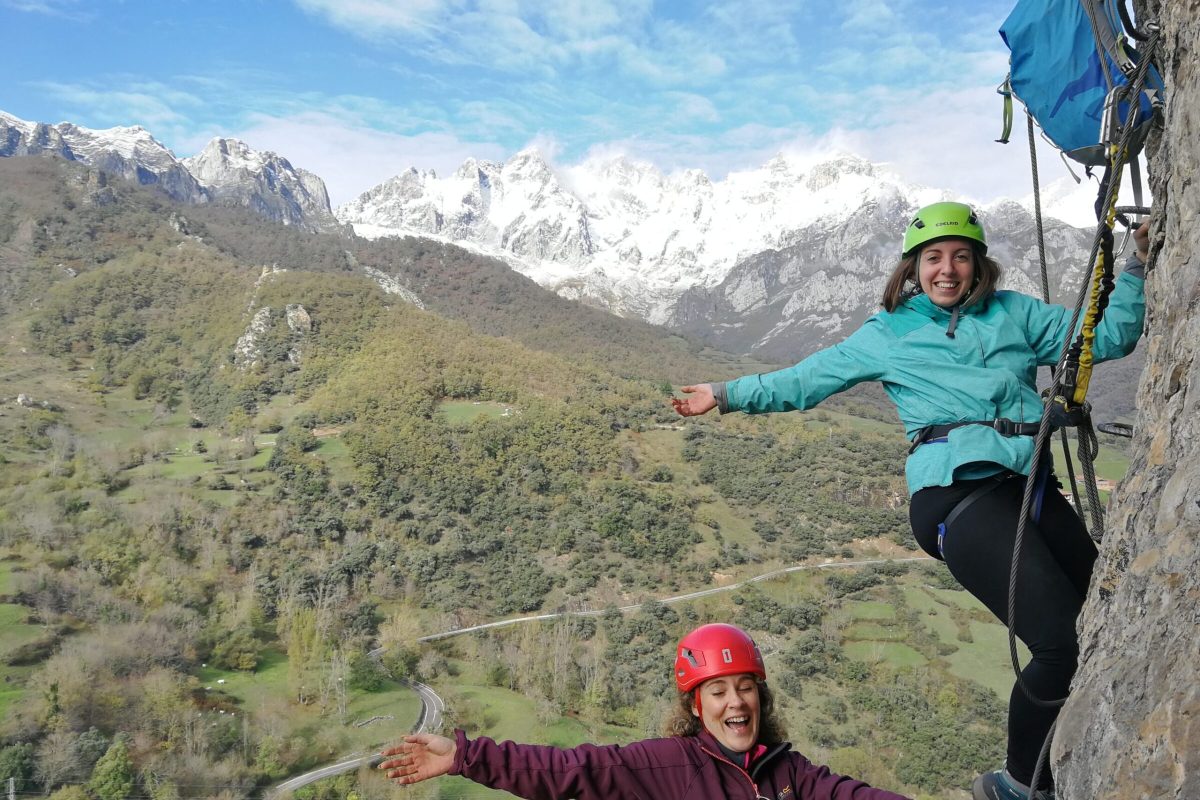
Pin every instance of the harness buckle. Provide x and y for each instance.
(919, 438)
(1004, 426)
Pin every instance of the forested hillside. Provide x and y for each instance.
(232, 465)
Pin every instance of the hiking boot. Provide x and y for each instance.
(999, 785)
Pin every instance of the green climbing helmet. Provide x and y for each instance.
(943, 221)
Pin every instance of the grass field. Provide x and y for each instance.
(897, 654)
(461, 412)
(502, 714)
(372, 718)
(14, 632)
(333, 451)
(873, 633)
(6, 575)
(870, 609)
(984, 658)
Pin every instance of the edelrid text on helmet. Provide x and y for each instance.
(714, 650)
(942, 221)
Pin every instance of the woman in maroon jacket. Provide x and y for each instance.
(727, 743)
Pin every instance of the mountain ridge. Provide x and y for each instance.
(775, 262)
(225, 171)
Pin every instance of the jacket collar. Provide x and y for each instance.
(927, 308)
(768, 753)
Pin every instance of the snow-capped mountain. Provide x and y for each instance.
(621, 233)
(776, 261)
(263, 181)
(130, 153)
(226, 171)
(779, 260)
(518, 207)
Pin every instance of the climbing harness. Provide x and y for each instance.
(989, 485)
(1005, 427)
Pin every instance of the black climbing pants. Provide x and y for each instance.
(1056, 564)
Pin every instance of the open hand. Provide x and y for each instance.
(700, 402)
(419, 757)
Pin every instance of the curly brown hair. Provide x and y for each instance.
(683, 722)
(904, 282)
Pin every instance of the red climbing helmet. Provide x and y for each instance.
(713, 650)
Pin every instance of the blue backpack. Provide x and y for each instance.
(1070, 65)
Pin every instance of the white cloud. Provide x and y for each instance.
(492, 116)
(694, 107)
(152, 105)
(754, 30)
(586, 19)
(65, 9)
(946, 139)
(542, 38)
(943, 139)
(547, 145)
(868, 16)
(373, 18)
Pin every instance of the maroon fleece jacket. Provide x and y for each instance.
(673, 768)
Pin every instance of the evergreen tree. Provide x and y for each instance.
(17, 762)
(112, 779)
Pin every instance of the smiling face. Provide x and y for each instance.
(729, 709)
(946, 270)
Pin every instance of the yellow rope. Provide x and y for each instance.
(1091, 318)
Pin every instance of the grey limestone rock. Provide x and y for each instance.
(1131, 728)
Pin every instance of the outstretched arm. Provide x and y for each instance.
(419, 757)
(658, 768)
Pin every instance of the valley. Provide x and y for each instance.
(234, 465)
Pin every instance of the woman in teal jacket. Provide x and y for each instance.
(959, 359)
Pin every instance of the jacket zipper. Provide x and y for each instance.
(723, 759)
(979, 341)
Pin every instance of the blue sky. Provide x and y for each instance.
(358, 90)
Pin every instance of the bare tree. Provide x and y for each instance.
(62, 449)
(56, 758)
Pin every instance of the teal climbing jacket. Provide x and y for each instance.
(988, 370)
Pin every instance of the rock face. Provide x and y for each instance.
(130, 153)
(1131, 728)
(785, 303)
(264, 182)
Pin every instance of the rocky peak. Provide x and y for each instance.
(21, 138)
(835, 169)
(130, 153)
(227, 170)
(232, 172)
(480, 172)
(691, 177)
(529, 165)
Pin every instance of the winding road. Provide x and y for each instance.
(766, 576)
(432, 709)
